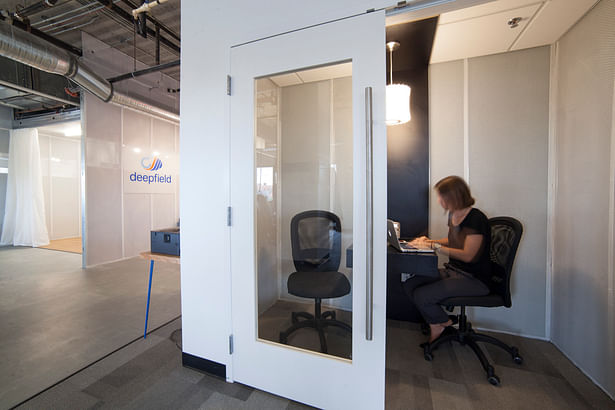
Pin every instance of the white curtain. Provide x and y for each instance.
(24, 212)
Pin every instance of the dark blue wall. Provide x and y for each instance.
(408, 144)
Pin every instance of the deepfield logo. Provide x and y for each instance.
(151, 163)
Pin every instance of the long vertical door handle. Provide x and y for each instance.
(369, 212)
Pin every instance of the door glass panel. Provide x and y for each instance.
(303, 157)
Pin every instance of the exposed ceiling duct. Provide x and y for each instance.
(30, 50)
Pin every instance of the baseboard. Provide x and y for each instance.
(611, 395)
(204, 365)
(125, 258)
(484, 329)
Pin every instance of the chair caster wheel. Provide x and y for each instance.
(428, 356)
(515, 356)
(494, 380)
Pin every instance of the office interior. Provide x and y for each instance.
(516, 115)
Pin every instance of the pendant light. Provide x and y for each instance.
(398, 95)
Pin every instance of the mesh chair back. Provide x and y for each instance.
(316, 241)
(505, 236)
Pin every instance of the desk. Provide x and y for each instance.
(398, 304)
(154, 257)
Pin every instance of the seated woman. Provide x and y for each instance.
(467, 246)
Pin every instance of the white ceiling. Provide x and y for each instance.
(483, 29)
(314, 74)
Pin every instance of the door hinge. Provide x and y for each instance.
(230, 344)
(228, 85)
(229, 216)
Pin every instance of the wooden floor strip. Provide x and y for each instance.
(72, 245)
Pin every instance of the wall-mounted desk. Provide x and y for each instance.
(398, 263)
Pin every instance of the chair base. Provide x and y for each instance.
(465, 335)
(316, 321)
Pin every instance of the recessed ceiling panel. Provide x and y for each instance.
(552, 22)
(284, 80)
(479, 36)
(326, 73)
(486, 9)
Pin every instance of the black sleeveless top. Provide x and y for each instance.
(475, 223)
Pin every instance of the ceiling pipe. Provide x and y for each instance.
(146, 6)
(30, 50)
(35, 8)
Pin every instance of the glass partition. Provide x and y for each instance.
(303, 159)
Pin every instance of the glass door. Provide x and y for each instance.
(308, 193)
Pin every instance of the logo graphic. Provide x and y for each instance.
(151, 163)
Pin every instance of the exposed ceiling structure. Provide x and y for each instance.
(487, 28)
(110, 21)
(153, 44)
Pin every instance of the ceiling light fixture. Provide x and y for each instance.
(398, 95)
(514, 22)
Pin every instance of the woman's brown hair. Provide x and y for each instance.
(455, 192)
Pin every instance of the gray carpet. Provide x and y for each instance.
(148, 374)
(278, 318)
(56, 318)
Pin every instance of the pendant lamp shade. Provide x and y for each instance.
(398, 104)
(398, 96)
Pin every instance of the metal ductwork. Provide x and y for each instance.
(30, 50)
(22, 46)
(35, 8)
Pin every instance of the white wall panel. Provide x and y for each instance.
(446, 134)
(60, 166)
(508, 130)
(163, 207)
(133, 215)
(163, 136)
(104, 215)
(584, 129)
(136, 128)
(506, 97)
(137, 222)
(66, 205)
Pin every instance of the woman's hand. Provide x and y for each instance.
(422, 241)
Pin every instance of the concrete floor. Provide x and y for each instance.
(57, 318)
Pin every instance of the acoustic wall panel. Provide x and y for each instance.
(137, 223)
(446, 126)
(508, 107)
(583, 310)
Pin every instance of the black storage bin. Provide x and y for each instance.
(165, 241)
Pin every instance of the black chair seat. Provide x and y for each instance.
(322, 285)
(491, 300)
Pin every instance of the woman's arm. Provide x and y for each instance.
(425, 241)
(471, 246)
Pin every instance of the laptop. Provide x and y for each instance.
(400, 245)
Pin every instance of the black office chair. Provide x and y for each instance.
(505, 236)
(316, 240)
